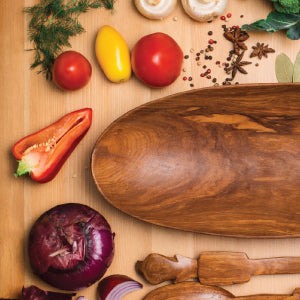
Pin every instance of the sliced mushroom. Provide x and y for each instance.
(155, 9)
(204, 10)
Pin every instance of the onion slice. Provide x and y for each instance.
(34, 293)
(114, 287)
(71, 246)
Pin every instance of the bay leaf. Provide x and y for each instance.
(296, 74)
(284, 68)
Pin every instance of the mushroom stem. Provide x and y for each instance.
(153, 2)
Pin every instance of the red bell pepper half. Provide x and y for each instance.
(42, 154)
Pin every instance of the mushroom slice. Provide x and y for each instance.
(155, 9)
(204, 10)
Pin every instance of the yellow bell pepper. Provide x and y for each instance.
(113, 54)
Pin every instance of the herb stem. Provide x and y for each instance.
(51, 20)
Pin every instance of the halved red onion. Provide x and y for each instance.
(71, 246)
(114, 287)
(34, 293)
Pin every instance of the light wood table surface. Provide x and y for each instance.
(29, 103)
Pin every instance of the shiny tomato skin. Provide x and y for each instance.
(71, 71)
(156, 59)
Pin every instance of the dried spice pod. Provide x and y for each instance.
(237, 65)
(261, 50)
(237, 37)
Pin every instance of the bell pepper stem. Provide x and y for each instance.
(24, 167)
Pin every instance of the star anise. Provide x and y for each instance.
(237, 37)
(237, 65)
(261, 50)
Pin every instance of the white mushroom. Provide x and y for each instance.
(204, 10)
(155, 9)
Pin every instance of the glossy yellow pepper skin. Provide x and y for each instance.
(113, 54)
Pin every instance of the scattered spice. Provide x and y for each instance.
(192, 50)
(208, 71)
(202, 74)
(186, 56)
(256, 65)
(214, 80)
(229, 15)
(197, 58)
(208, 77)
(191, 85)
(237, 65)
(237, 37)
(204, 67)
(175, 19)
(223, 18)
(210, 33)
(198, 53)
(190, 78)
(211, 41)
(241, 16)
(261, 50)
(184, 78)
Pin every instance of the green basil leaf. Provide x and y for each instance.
(284, 68)
(296, 74)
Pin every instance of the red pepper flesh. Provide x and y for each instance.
(43, 153)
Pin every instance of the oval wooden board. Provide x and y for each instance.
(222, 161)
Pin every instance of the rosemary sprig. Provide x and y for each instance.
(52, 23)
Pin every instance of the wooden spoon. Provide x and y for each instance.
(221, 160)
(213, 267)
(196, 291)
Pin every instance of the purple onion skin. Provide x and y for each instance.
(71, 246)
(34, 293)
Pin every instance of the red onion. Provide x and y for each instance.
(114, 287)
(34, 293)
(71, 246)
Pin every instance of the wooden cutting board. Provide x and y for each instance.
(222, 161)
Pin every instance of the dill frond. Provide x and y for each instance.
(52, 23)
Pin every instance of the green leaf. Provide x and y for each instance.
(296, 73)
(294, 32)
(284, 68)
(276, 21)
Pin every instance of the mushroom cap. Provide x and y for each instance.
(204, 10)
(155, 9)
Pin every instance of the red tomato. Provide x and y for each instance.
(157, 59)
(71, 71)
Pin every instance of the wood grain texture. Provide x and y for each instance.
(221, 160)
(29, 103)
(213, 267)
(196, 291)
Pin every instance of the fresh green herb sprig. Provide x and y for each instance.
(286, 16)
(52, 23)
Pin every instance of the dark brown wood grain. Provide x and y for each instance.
(223, 161)
(196, 291)
(213, 267)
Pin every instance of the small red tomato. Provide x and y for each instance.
(71, 71)
(156, 59)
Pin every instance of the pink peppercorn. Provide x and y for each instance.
(202, 74)
(208, 71)
(211, 41)
(223, 18)
(229, 15)
(184, 78)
